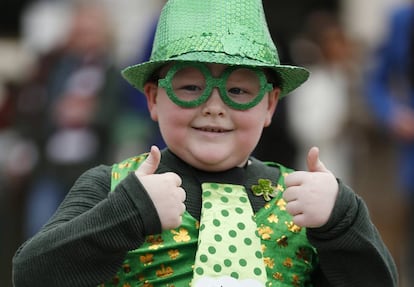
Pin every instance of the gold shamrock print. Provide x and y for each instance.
(264, 232)
(181, 235)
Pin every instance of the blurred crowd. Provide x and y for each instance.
(65, 108)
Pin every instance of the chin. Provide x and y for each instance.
(213, 163)
(211, 157)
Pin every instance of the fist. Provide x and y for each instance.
(310, 195)
(164, 190)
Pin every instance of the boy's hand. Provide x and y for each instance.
(310, 195)
(164, 189)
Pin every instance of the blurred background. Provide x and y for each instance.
(64, 107)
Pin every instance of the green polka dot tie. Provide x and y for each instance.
(229, 251)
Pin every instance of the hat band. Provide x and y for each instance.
(241, 47)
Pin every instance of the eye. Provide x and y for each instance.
(188, 91)
(236, 91)
(241, 94)
(191, 88)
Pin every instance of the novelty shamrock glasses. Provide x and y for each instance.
(189, 85)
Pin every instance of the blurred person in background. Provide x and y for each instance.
(13, 146)
(137, 132)
(390, 94)
(319, 112)
(67, 106)
(18, 156)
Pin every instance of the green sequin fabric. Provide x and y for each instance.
(232, 32)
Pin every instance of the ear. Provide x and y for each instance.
(273, 98)
(150, 91)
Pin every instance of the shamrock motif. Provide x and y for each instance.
(264, 188)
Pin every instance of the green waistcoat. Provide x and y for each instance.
(167, 259)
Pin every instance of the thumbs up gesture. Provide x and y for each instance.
(164, 190)
(310, 195)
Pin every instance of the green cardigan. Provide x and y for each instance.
(87, 239)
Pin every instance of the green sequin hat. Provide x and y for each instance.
(231, 32)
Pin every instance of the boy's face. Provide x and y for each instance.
(211, 136)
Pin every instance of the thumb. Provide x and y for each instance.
(313, 161)
(150, 165)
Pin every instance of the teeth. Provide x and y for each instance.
(214, 130)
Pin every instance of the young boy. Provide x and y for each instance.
(203, 211)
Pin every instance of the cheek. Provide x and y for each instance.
(251, 125)
(250, 129)
(255, 119)
(173, 121)
(163, 109)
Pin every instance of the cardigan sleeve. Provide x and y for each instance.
(350, 249)
(86, 240)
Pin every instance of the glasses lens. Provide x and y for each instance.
(188, 84)
(243, 85)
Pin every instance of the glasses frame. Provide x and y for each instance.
(211, 83)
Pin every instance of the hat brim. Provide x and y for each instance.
(291, 76)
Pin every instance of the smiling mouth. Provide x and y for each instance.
(213, 130)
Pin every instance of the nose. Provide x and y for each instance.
(214, 106)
